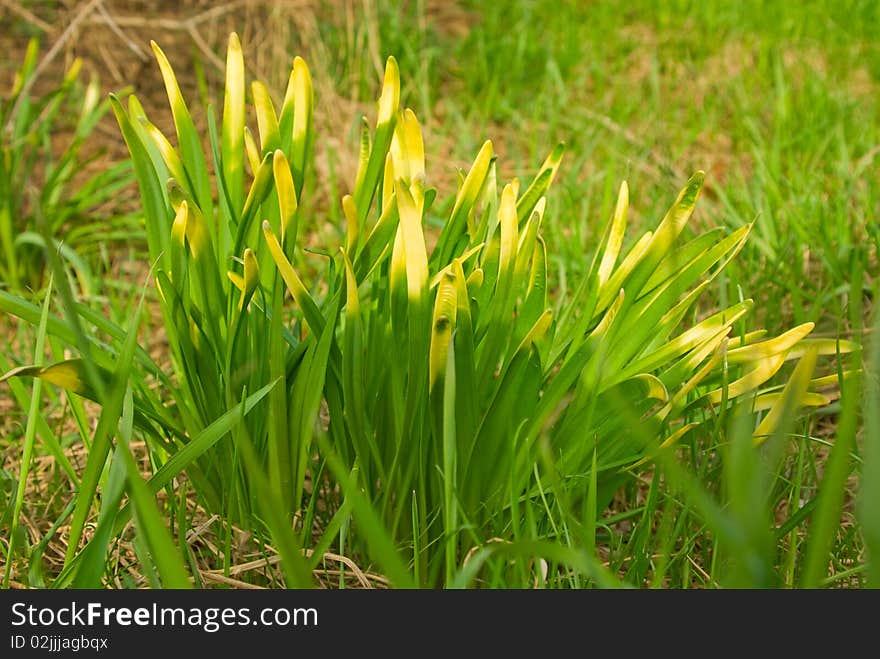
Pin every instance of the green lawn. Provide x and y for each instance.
(778, 103)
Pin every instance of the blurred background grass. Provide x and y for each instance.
(777, 101)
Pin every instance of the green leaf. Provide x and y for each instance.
(156, 207)
(267, 120)
(232, 149)
(464, 203)
(148, 520)
(413, 240)
(443, 325)
(614, 235)
(539, 186)
(301, 132)
(69, 374)
(101, 441)
(365, 187)
(187, 137)
(287, 199)
(29, 435)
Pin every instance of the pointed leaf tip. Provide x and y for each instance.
(390, 98)
(251, 278)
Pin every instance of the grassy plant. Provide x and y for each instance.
(465, 416)
(44, 198)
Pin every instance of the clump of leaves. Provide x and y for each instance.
(448, 397)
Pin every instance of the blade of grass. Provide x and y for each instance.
(826, 516)
(29, 434)
(148, 520)
(101, 441)
(869, 482)
(450, 466)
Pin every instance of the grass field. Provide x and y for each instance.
(185, 473)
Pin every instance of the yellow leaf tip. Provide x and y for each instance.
(390, 96)
(301, 70)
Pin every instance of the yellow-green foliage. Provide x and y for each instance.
(443, 375)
